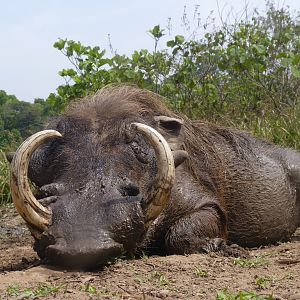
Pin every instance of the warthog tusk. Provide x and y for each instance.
(36, 215)
(159, 193)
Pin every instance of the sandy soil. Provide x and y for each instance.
(270, 273)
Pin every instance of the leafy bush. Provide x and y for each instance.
(245, 75)
(19, 119)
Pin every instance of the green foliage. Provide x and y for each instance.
(10, 139)
(162, 279)
(89, 288)
(22, 116)
(5, 195)
(245, 75)
(199, 272)
(43, 290)
(251, 262)
(265, 281)
(242, 295)
(92, 70)
(4, 98)
(18, 120)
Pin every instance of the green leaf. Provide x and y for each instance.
(156, 32)
(260, 49)
(242, 58)
(77, 48)
(149, 58)
(171, 43)
(136, 57)
(285, 62)
(179, 39)
(60, 44)
(295, 71)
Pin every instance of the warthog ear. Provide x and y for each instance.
(171, 129)
(10, 156)
(171, 125)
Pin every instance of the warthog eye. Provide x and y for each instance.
(140, 153)
(129, 190)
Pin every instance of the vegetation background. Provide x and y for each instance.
(244, 75)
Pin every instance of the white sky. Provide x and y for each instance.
(29, 64)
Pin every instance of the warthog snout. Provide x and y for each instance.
(83, 256)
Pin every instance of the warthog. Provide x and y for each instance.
(119, 172)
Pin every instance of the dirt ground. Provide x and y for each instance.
(270, 273)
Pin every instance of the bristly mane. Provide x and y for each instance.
(119, 103)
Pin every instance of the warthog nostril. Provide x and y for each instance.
(129, 190)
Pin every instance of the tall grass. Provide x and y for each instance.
(281, 128)
(5, 194)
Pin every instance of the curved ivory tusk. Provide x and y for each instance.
(36, 215)
(160, 192)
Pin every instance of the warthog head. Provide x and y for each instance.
(105, 171)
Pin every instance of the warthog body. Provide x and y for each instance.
(95, 180)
